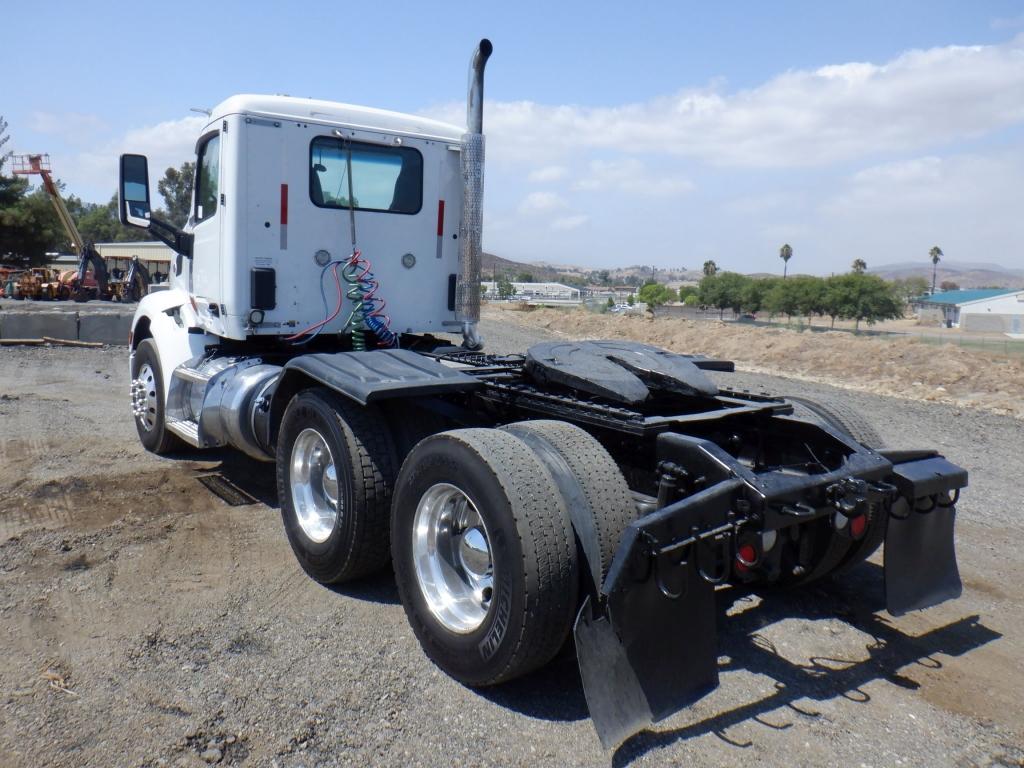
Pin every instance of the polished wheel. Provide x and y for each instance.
(144, 400)
(452, 558)
(314, 485)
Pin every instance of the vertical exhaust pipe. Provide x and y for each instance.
(467, 294)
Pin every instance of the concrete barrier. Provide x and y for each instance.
(108, 327)
(16, 324)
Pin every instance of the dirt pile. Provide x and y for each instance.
(891, 366)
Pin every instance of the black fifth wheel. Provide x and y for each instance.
(484, 555)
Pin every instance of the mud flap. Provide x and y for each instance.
(644, 655)
(920, 559)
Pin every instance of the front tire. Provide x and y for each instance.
(335, 472)
(147, 392)
(484, 555)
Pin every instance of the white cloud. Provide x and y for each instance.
(632, 177)
(967, 203)
(166, 144)
(566, 223)
(542, 202)
(547, 174)
(918, 100)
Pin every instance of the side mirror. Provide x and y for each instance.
(133, 192)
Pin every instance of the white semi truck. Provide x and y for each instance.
(596, 489)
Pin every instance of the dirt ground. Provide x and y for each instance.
(152, 614)
(901, 367)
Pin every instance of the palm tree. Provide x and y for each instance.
(785, 253)
(936, 254)
(710, 268)
(859, 266)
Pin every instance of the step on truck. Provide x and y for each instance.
(322, 317)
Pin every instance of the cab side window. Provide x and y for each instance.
(207, 178)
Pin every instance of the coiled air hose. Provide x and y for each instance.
(367, 307)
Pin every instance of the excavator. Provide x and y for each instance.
(90, 280)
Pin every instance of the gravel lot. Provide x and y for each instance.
(144, 621)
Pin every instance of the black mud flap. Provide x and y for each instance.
(920, 555)
(920, 559)
(649, 652)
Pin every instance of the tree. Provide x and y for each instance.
(860, 297)
(610, 303)
(785, 253)
(910, 287)
(631, 300)
(685, 291)
(176, 189)
(810, 296)
(29, 229)
(949, 285)
(753, 294)
(710, 267)
(505, 288)
(781, 298)
(100, 224)
(655, 294)
(525, 277)
(859, 266)
(724, 290)
(936, 254)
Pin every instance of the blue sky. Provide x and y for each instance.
(657, 133)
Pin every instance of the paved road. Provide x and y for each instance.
(146, 622)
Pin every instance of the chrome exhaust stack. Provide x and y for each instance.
(467, 293)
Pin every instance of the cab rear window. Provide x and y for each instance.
(388, 179)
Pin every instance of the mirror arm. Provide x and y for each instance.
(171, 236)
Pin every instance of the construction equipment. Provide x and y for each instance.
(8, 281)
(131, 284)
(40, 284)
(82, 285)
(599, 489)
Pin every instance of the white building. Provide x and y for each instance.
(1003, 313)
(539, 292)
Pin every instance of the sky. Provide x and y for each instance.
(617, 133)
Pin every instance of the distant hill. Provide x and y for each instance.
(569, 273)
(964, 274)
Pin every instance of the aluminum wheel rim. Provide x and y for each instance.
(144, 402)
(314, 485)
(452, 557)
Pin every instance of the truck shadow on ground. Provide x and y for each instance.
(555, 693)
(858, 599)
(242, 480)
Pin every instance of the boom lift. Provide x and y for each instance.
(599, 489)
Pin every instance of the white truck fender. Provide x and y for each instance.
(166, 317)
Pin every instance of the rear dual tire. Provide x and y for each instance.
(335, 473)
(502, 499)
(522, 545)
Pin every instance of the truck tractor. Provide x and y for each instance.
(322, 316)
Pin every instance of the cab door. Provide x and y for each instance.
(206, 256)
